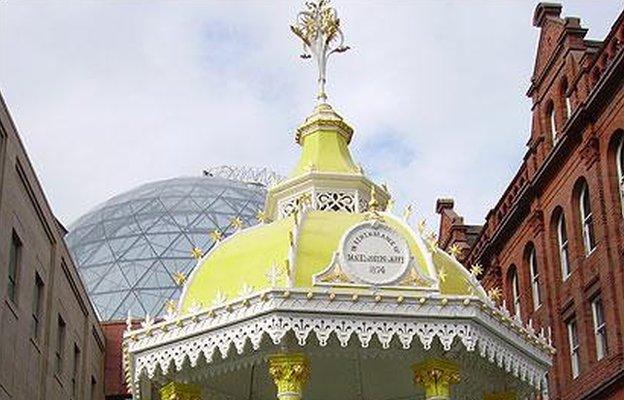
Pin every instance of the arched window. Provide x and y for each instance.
(620, 170)
(587, 225)
(562, 242)
(515, 290)
(535, 284)
(552, 122)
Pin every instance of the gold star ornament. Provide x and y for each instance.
(216, 235)
(179, 278)
(476, 270)
(237, 223)
(455, 250)
(197, 253)
(442, 275)
(495, 294)
(261, 217)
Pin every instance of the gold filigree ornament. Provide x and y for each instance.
(335, 275)
(318, 27)
(414, 279)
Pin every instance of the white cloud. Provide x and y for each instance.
(108, 95)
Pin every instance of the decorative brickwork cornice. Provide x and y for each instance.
(536, 222)
(590, 151)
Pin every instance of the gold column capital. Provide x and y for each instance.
(509, 395)
(290, 373)
(436, 376)
(180, 391)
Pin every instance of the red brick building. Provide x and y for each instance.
(554, 242)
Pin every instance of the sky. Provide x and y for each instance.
(107, 95)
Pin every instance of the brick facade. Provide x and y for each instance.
(578, 156)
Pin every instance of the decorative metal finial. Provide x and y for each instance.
(319, 29)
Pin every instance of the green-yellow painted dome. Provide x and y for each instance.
(246, 260)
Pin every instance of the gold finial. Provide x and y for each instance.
(179, 278)
(408, 212)
(197, 253)
(237, 223)
(422, 226)
(216, 235)
(261, 217)
(373, 204)
(171, 307)
(390, 205)
(318, 27)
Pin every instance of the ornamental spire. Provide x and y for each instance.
(319, 28)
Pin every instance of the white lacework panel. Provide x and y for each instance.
(336, 201)
(288, 207)
(345, 330)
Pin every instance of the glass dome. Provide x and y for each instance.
(130, 249)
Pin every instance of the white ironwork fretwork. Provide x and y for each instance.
(336, 201)
(235, 327)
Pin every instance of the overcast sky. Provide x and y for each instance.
(110, 94)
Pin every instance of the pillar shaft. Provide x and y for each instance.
(436, 377)
(180, 391)
(290, 373)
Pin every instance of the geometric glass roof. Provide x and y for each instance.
(128, 249)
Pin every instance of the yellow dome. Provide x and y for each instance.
(248, 260)
(310, 216)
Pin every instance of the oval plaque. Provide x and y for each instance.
(375, 254)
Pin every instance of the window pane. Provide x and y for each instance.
(14, 256)
(574, 349)
(600, 329)
(36, 306)
(60, 344)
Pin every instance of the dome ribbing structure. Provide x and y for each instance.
(135, 250)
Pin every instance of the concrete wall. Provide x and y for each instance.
(28, 361)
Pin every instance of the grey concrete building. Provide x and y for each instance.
(51, 345)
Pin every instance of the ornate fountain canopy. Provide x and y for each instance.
(318, 27)
(333, 282)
